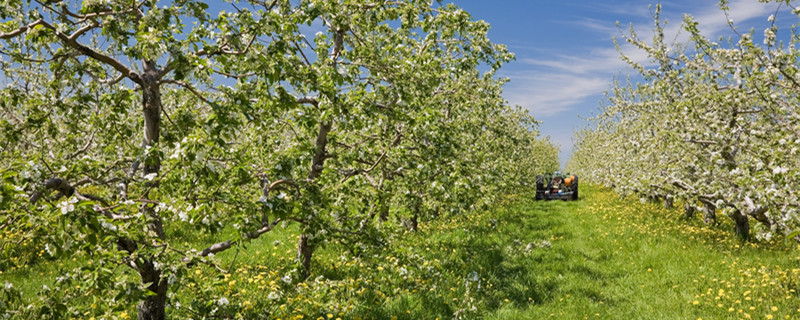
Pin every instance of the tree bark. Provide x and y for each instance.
(741, 225)
(304, 252)
(757, 212)
(414, 222)
(384, 207)
(688, 210)
(669, 202)
(318, 162)
(153, 307)
(304, 249)
(709, 213)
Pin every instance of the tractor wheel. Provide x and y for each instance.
(575, 193)
(539, 182)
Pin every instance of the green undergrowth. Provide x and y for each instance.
(597, 258)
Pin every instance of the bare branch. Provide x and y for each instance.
(105, 81)
(82, 150)
(225, 245)
(75, 35)
(190, 88)
(89, 52)
(309, 100)
(21, 30)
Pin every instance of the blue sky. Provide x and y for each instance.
(565, 55)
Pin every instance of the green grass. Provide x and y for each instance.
(616, 259)
(597, 258)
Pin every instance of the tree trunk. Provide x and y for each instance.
(304, 252)
(153, 307)
(384, 207)
(709, 213)
(152, 164)
(668, 202)
(318, 162)
(741, 225)
(688, 210)
(415, 222)
(304, 249)
(757, 212)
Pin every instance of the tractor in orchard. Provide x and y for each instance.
(557, 186)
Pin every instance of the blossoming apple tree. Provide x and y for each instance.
(713, 124)
(126, 122)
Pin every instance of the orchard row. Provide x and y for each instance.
(126, 121)
(715, 126)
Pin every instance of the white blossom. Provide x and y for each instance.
(109, 226)
(67, 205)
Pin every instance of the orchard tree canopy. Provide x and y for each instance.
(715, 125)
(126, 123)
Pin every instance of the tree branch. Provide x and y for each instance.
(309, 100)
(21, 30)
(89, 52)
(105, 81)
(82, 150)
(190, 88)
(703, 142)
(225, 245)
(317, 164)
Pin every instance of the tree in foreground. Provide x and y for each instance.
(128, 124)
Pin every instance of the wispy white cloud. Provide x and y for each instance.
(556, 84)
(595, 25)
(552, 93)
(560, 82)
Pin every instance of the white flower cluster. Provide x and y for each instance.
(67, 205)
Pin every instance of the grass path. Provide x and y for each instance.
(616, 259)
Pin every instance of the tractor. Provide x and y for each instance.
(557, 186)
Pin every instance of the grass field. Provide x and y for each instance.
(597, 258)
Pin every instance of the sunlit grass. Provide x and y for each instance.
(597, 258)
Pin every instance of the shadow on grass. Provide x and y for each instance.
(485, 262)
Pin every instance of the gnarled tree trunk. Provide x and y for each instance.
(153, 307)
(688, 210)
(669, 202)
(741, 224)
(709, 213)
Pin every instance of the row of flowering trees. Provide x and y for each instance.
(126, 120)
(714, 125)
